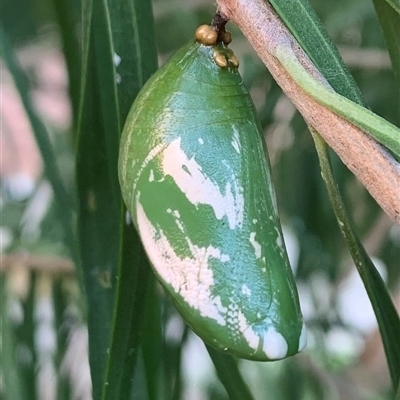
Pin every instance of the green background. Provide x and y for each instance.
(83, 222)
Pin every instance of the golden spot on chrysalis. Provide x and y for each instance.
(226, 37)
(234, 60)
(220, 59)
(206, 35)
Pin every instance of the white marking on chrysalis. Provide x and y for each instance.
(246, 290)
(116, 59)
(279, 239)
(152, 154)
(272, 194)
(151, 176)
(200, 189)
(178, 222)
(232, 316)
(118, 78)
(273, 343)
(190, 277)
(251, 337)
(235, 139)
(225, 258)
(255, 244)
(128, 218)
(200, 140)
(303, 337)
(176, 214)
(254, 221)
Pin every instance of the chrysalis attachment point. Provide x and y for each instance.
(234, 60)
(226, 37)
(206, 35)
(220, 59)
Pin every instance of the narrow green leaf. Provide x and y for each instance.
(307, 28)
(137, 386)
(67, 13)
(172, 352)
(98, 212)
(395, 4)
(177, 366)
(229, 374)
(125, 49)
(389, 19)
(129, 21)
(134, 280)
(87, 8)
(385, 312)
(122, 56)
(151, 343)
(103, 53)
(98, 227)
(135, 52)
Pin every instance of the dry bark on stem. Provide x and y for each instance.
(371, 163)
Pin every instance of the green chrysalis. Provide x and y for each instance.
(196, 180)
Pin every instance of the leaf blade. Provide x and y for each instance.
(229, 375)
(389, 20)
(125, 68)
(395, 4)
(385, 312)
(309, 31)
(98, 209)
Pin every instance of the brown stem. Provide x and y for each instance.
(218, 23)
(371, 163)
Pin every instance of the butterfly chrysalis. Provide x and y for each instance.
(196, 179)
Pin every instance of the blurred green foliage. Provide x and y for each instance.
(43, 303)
